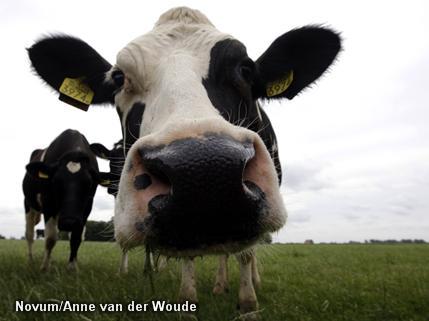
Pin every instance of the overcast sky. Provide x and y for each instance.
(354, 148)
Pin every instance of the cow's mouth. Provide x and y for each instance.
(177, 227)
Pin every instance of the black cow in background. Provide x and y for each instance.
(60, 182)
(116, 158)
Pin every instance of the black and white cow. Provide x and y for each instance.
(60, 182)
(202, 174)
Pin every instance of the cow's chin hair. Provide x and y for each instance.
(226, 248)
(129, 240)
(128, 237)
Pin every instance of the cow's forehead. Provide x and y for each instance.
(180, 31)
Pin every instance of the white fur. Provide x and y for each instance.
(73, 167)
(42, 157)
(188, 290)
(256, 279)
(258, 109)
(221, 284)
(123, 268)
(246, 295)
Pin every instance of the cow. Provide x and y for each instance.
(60, 182)
(202, 172)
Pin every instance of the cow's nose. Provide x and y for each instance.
(206, 169)
(199, 192)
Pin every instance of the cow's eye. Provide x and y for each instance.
(247, 69)
(118, 78)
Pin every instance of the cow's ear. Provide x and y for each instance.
(40, 170)
(100, 150)
(59, 58)
(295, 60)
(104, 179)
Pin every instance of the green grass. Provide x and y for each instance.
(299, 282)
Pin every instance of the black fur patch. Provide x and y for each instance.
(229, 87)
(308, 51)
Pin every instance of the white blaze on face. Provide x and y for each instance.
(73, 167)
(164, 70)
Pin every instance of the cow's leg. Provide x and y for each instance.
(149, 263)
(188, 290)
(123, 268)
(246, 297)
(32, 217)
(255, 273)
(160, 263)
(75, 240)
(51, 236)
(221, 283)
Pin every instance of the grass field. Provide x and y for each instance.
(300, 282)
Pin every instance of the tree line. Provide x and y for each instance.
(102, 231)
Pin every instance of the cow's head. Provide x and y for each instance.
(199, 176)
(116, 158)
(68, 188)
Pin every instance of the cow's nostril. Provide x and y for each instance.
(198, 169)
(158, 203)
(149, 181)
(156, 172)
(142, 181)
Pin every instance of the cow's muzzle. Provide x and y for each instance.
(208, 200)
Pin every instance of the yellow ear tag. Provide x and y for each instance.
(43, 175)
(279, 86)
(78, 91)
